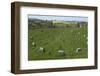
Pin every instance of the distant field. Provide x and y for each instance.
(53, 39)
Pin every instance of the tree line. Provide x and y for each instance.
(38, 23)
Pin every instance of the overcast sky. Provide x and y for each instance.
(65, 18)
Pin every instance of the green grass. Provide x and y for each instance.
(53, 39)
(64, 22)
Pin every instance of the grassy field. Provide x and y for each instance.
(53, 39)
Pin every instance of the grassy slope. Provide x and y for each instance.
(64, 22)
(52, 39)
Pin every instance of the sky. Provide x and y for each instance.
(65, 18)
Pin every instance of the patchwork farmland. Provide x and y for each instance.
(56, 39)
